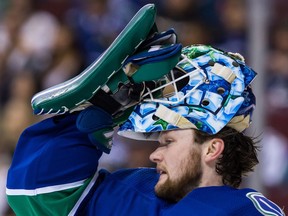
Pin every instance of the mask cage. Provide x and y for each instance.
(176, 80)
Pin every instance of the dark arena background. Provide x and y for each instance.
(45, 42)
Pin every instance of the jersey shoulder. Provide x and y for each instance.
(141, 179)
(263, 204)
(223, 200)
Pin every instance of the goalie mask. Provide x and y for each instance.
(207, 90)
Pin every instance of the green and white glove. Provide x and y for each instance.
(145, 69)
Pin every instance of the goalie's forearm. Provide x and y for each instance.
(53, 164)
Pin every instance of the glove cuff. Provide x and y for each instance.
(98, 124)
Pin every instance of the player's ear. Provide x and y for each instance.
(214, 149)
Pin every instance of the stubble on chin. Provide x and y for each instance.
(188, 179)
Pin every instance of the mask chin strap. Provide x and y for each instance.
(240, 123)
(173, 118)
(224, 72)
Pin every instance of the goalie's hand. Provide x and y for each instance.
(98, 125)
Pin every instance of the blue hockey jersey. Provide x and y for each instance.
(54, 172)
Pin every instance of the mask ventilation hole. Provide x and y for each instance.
(235, 64)
(211, 62)
(155, 118)
(205, 102)
(220, 90)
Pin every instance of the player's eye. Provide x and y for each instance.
(168, 141)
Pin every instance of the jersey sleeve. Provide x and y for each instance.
(54, 164)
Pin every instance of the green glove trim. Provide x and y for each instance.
(102, 138)
(76, 91)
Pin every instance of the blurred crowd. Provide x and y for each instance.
(45, 42)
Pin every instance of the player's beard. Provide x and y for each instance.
(188, 179)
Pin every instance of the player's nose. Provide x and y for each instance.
(156, 155)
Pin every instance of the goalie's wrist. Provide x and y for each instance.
(98, 125)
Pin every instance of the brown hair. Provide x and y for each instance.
(239, 155)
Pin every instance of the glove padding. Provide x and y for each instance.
(143, 70)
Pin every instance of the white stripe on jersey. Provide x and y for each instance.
(44, 190)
